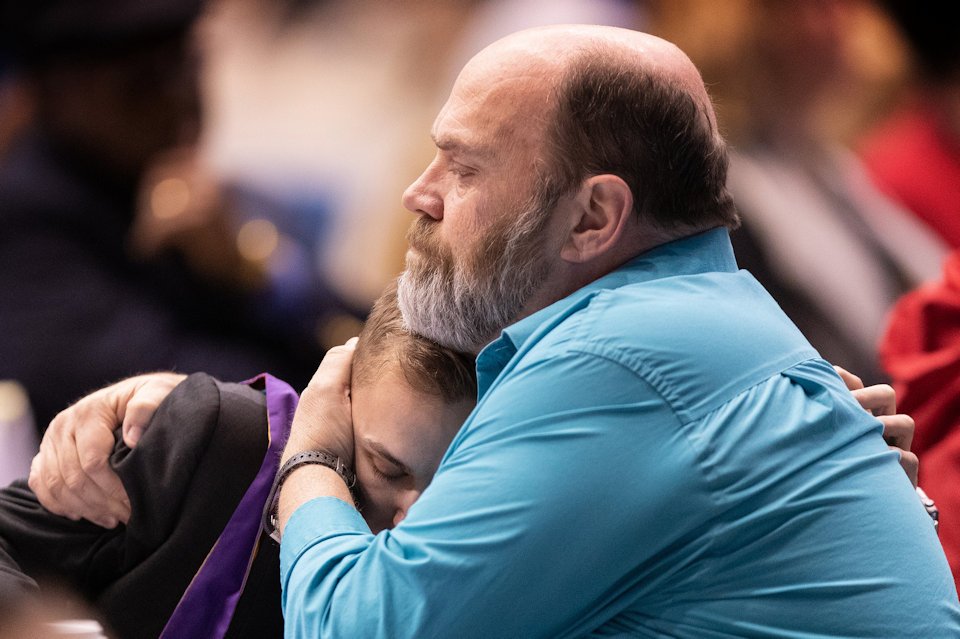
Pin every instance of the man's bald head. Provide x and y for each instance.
(556, 47)
(625, 103)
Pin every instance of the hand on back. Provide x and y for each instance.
(880, 400)
(71, 474)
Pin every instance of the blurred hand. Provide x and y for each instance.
(880, 401)
(71, 474)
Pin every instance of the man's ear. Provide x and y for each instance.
(602, 211)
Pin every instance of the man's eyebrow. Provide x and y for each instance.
(456, 145)
(383, 452)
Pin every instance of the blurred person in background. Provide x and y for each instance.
(831, 249)
(312, 193)
(914, 155)
(116, 117)
(921, 351)
(15, 107)
(56, 614)
(291, 90)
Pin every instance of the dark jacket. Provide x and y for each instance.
(204, 446)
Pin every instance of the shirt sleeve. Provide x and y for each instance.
(529, 527)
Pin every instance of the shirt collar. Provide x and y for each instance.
(705, 252)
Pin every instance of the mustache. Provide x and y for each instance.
(422, 236)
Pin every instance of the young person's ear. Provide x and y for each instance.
(602, 210)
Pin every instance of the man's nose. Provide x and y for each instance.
(422, 196)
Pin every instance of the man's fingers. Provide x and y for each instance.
(102, 493)
(323, 418)
(81, 495)
(55, 495)
(68, 502)
(334, 370)
(852, 381)
(898, 430)
(910, 464)
(65, 485)
(879, 399)
(138, 409)
(83, 454)
(135, 421)
(43, 477)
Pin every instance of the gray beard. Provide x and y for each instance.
(465, 306)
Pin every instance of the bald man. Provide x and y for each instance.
(656, 449)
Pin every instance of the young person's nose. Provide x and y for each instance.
(406, 500)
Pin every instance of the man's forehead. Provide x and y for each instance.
(451, 133)
(483, 112)
(463, 141)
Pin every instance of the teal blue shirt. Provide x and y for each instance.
(659, 454)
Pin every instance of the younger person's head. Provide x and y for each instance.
(410, 396)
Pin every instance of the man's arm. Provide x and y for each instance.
(524, 505)
(71, 475)
(532, 497)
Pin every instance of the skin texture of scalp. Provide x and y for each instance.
(543, 50)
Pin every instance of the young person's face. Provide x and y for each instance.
(401, 434)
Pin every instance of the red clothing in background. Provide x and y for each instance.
(921, 352)
(914, 160)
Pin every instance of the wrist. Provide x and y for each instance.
(298, 444)
(321, 460)
(290, 452)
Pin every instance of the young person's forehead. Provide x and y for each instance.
(387, 390)
(398, 423)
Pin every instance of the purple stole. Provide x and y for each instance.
(206, 607)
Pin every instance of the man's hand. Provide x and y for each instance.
(880, 401)
(71, 475)
(323, 421)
